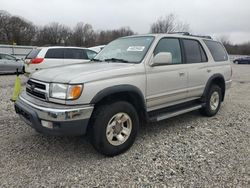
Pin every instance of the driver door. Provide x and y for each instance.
(167, 84)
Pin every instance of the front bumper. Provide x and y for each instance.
(68, 120)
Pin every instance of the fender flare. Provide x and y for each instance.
(209, 83)
(118, 89)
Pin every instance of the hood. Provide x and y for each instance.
(86, 72)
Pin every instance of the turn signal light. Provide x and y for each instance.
(75, 91)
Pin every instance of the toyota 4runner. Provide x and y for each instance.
(133, 80)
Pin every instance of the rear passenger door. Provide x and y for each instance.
(167, 84)
(197, 64)
(220, 63)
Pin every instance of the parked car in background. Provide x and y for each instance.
(97, 49)
(47, 57)
(10, 64)
(242, 60)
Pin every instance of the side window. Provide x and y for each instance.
(194, 52)
(55, 53)
(171, 45)
(217, 50)
(71, 53)
(91, 54)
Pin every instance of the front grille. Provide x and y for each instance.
(38, 85)
(37, 89)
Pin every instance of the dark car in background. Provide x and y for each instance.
(242, 60)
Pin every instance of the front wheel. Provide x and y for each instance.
(213, 101)
(114, 128)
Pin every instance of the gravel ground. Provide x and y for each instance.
(185, 151)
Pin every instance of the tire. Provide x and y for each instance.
(213, 101)
(107, 127)
(236, 62)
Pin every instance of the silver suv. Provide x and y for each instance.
(133, 80)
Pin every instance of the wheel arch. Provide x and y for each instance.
(217, 79)
(125, 92)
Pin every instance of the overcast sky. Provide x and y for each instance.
(213, 17)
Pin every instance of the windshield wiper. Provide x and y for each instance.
(97, 60)
(116, 60)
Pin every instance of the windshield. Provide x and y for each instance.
(131, 50)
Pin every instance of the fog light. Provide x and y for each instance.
(47, 124)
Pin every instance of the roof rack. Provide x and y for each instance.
(188, 34)
(183, 33)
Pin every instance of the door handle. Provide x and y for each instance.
(208, 70)
(181, 73)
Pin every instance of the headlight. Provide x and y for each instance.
(65, 91)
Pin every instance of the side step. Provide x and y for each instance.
(175, 112)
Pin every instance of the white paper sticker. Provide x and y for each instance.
(136, 48)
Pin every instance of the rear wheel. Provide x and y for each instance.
(213, 101)
(114, 128)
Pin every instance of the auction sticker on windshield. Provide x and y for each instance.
(136, 48)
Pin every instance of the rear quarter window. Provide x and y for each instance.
(55, 53)
(33, 54)
(217, 50)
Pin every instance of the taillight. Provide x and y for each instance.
(36, 60)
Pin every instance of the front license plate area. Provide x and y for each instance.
(23, 115)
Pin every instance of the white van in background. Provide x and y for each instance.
(47, 57)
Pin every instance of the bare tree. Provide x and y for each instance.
(14, 29)
(104, 37)
(53, 34)
(20, 31)
(236, 49)
(168, 24)
(4, 35)
(224, 39)
(83, 35)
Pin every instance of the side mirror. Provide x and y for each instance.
(162, 58)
